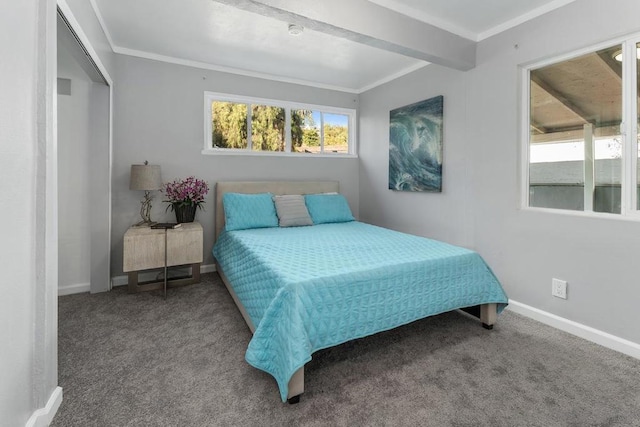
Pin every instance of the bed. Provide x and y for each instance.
(302, 289)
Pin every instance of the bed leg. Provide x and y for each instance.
(488, 315)
(296, 386)
(293, 400)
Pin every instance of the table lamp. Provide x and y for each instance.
(145, 177)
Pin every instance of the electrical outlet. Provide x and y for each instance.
(559, 288)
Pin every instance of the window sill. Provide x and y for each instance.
(228, 152)
(631, 216)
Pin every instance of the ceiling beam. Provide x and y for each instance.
(537, 127)
(614, 124)
(573, 134)
(542, 84)
(612, 65)
(367, 23)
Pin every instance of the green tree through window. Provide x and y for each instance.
(229, 122)
(267, 128)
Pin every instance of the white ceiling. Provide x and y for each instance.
(250, 36)
(473, 19)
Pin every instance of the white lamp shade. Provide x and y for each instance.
(145, 177)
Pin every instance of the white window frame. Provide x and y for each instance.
(628, 129)
(210, 97)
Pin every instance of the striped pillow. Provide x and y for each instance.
(292, 211)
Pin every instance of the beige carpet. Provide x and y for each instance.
(140, 360)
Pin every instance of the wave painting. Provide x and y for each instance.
(415, 146)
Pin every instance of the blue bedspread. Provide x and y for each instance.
(309, 288)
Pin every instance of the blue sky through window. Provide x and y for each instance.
(331, 119)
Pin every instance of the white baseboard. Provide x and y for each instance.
(209, 268)
(123, 280)
(44, 416)
(604, 339)
(77, 288)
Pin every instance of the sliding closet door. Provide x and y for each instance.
(84, 168)
(100, 194)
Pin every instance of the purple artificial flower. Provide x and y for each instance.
(185, 192)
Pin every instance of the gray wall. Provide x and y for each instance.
(481, 175)
(159, 117)
(444, 216)
(526, 249)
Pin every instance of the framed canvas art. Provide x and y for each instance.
(415, 146)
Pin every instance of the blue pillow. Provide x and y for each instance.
(326, 208)
(243, 211)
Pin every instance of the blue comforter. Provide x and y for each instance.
(309, 288)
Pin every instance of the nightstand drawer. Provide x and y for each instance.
(144, 247)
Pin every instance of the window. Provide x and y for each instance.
(581, 131)
(242, 125)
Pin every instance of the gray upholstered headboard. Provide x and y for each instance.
(274, 187)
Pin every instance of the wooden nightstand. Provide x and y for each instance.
(144, 249)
